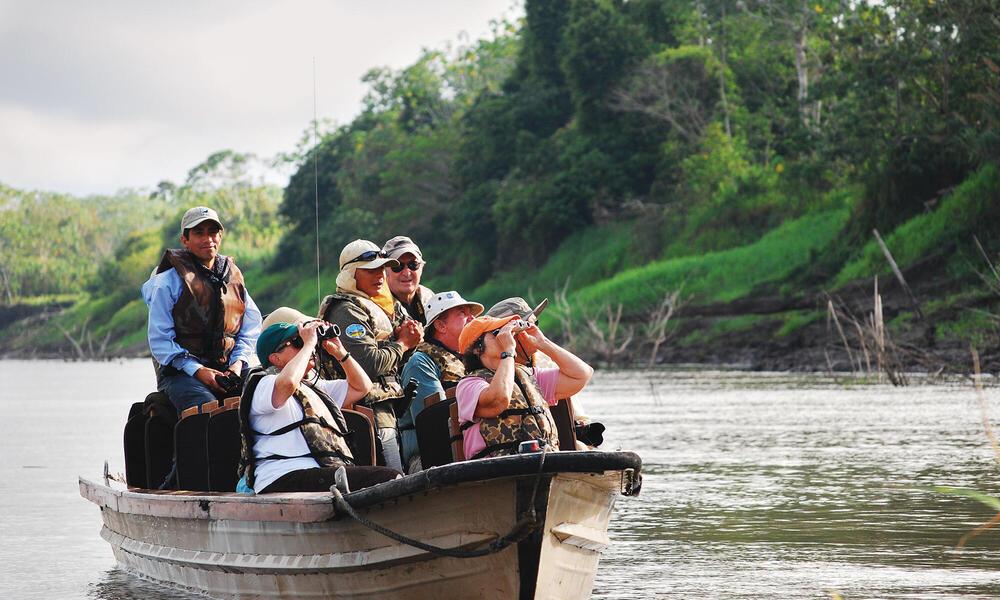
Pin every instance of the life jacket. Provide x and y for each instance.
(526, 418)
(209, 312)
(323, 427)
(448, 362)
(416, 307)
(385, 387)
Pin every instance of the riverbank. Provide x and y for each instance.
(756, 333)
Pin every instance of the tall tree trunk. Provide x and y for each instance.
(802, 74)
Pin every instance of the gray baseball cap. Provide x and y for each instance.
(196, 215)
(399, 246)
(510, 306)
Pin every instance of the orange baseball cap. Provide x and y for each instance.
(478, 327)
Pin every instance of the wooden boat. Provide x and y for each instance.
(301, 545)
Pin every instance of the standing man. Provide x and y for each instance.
(435, 365)
(404, 276)
(376, 330)
(203, 325)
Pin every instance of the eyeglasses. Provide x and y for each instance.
(413, 265)
(365, 257)
(295, 341)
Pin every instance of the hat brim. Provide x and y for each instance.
(198, 222)
(378, 262)
(398, 252)
(477, 309)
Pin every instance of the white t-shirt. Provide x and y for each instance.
(265, 418)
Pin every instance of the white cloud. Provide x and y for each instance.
(100, 95)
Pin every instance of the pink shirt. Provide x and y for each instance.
(467, 396)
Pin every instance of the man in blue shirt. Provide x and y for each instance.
(435, 364)
(203, 325)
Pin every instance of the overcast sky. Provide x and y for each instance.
(100, 95)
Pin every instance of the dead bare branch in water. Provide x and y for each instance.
(656, 329)
(86, 336)
(603, 336)
(872, 338)
(606, 339)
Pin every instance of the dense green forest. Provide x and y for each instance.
(633, 161)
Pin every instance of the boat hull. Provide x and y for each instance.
(297, 545)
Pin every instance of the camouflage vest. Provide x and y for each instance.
(526, 418)
(449, 362)
(208, 315)
(323, 427)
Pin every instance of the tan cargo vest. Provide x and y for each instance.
(515, 425)
(384, 388)
(207, 316)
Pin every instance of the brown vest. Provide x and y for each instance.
(514, 425)
(207, 316)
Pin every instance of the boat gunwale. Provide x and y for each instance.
(318, 506)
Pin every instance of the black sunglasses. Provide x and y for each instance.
(294, 341)
(413, 265)
(365, 257)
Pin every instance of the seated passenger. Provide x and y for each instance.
(589, 433)
(436, 364)
(404, 277)
(507, 403)
(296, 430)
(376, 329)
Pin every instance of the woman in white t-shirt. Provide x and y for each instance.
(290, 348)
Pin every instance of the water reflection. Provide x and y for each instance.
(119, 585)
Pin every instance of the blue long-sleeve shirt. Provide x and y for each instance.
(161, 292)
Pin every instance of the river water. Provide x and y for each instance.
(755, 485)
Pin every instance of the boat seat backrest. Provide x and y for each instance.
(434, 434)
(457, 439)
(190, 442)
(361, 422)
(562, 413)
(223, 444)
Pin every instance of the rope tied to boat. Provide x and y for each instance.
(521, 530)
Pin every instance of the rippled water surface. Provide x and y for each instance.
(755, 485)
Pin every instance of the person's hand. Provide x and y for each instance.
(307, 331)
(335, 348)
(207, 376)
(236, 368)
(505, 337)
(410, 333)
(532, 338)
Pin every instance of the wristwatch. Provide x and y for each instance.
(505, 354)
(346, 356)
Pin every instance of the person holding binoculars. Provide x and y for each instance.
(294, 434)
(502, 403)
(377, 331)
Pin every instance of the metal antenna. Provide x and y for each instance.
(316, 183)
